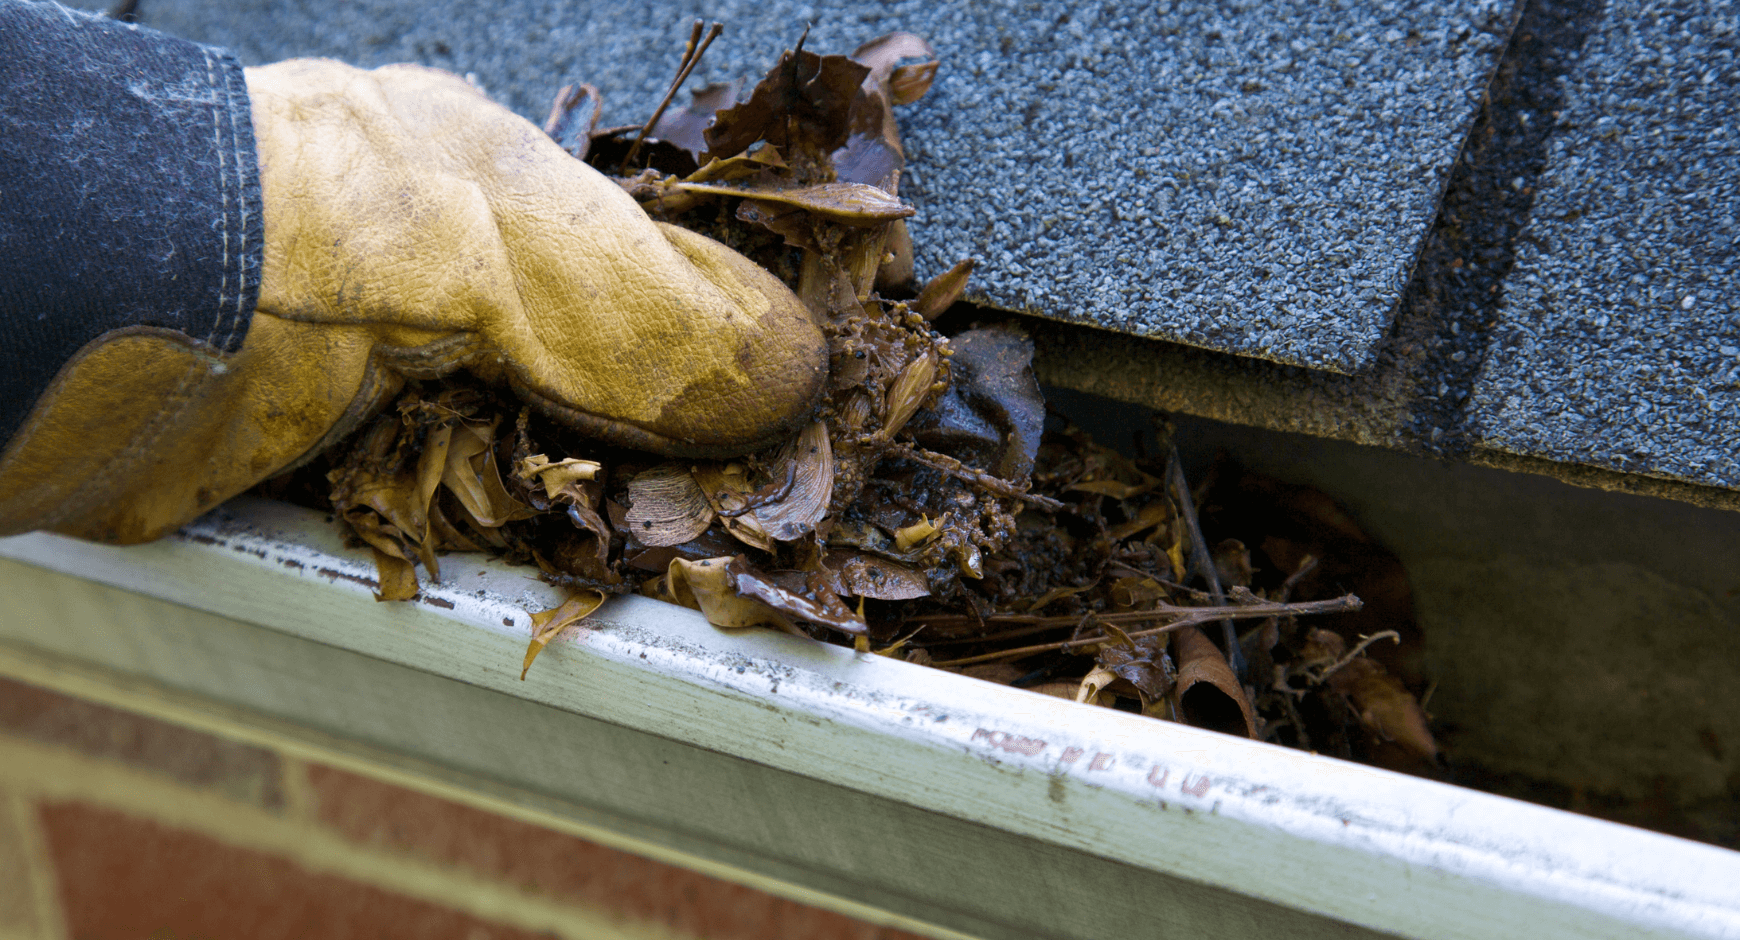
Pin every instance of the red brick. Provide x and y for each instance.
(191, 757)
(569, 868)
(123, 878)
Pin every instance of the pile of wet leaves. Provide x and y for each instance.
(933, 511)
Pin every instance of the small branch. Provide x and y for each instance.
(1185, 617)
(1351, 654)
(960, 471)
(692, 52)
(1203, 561)
(1307, 565)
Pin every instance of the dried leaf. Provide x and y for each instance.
(1155, 513)
(431, 463)
(805, 95)
(1092, 688)
(726, 489)
(805, 466)
(796, 226)
(916, 534)
(1207, 694)
(666, 506)
(881, 54)
(943, 290)
(863, 575)
(851, 203)
(1063, 689)
(559, 476)
(1113, 488)
(1056, 594)
(1233, 562)
(872, 153)
(687, 127)
(895, 274)
(1000, 673)
(733, 594)
(909, 391)
(547, 623)
(797, 595)
(742, 166)
(397, 577)
(706, 586)
(1132, 592)
(1385, 707)
(471, 475)
(1143, 665)
(574, 117)
(910, 82)
(992, 415)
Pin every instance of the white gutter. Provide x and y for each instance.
(1350, 843)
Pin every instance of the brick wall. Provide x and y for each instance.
(118, 826)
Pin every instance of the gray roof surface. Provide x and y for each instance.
(1619, 338)
(1546, 325)
(1250, 177)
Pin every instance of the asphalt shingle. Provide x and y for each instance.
(1619, 339)
(1254, 178)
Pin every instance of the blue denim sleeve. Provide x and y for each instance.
(129, 193)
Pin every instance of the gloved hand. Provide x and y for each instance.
(413, 227)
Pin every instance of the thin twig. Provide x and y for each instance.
(1351, 654)
(692, 53)
(960, 471)
(1345, 602)
(1200, 557)
(1307, 565)
(1186, 616)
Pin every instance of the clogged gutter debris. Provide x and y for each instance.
(927, 513)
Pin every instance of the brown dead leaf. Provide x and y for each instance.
(943, 290)
(804, 473)
(1143, 665)
(806, 96)
(546, 624)
(471, 475)
(559, 477)
(850, 203)
(1385, 707)
(1058, 593)
(1132, 592)
(1113, 488)
(796, 226)
(667, 506)
(1207, 694)
(1000, 673)
(706, 586)
(1065, 689)
(872, 153)
(798, 595)
(1233, 563)
(731, 593)
(1156, 513)
(911, 82)
(727, 490)
(574, 117)
(397, 577)
(1092, 689)
(687, 127)
(910, 390)
(862, 575)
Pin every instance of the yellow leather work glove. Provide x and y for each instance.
(413, 227)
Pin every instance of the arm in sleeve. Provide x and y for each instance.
(129, 194)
